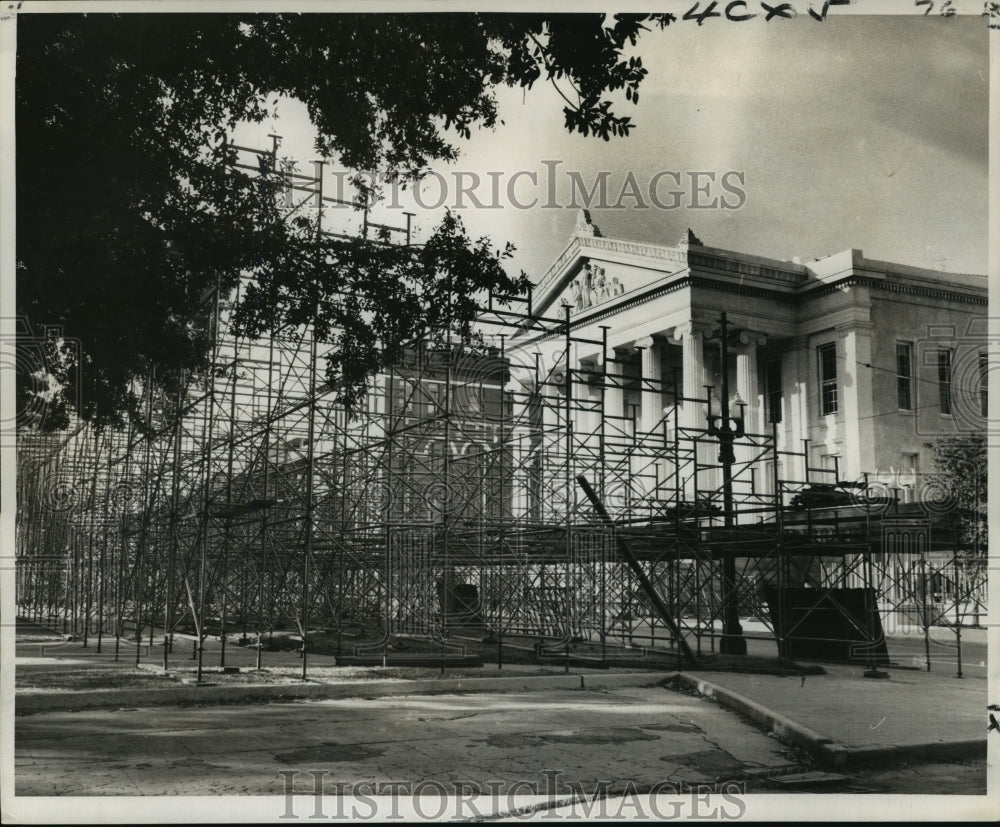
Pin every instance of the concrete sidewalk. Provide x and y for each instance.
(845, 718)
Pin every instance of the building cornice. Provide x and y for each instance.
(717, 261)
(611, 310)
(725, 286)
(637, 248)
(731, 272)
(894, 287)
(558, 266)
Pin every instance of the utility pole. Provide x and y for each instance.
(727, 429)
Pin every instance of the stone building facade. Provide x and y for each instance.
(854, 363)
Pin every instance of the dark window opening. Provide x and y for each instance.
(828, 377)
(944, 380)
(904, 375)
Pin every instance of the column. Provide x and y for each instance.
(748, 469)
(529, 427)
(798, 375)
(856, 386)
(692, 340)
(585, 421)
(748, 381)
(614, 397)
(651, 410)
(615, 436)
(692, 408)
(554, 498)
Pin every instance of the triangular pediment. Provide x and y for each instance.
(594, 271)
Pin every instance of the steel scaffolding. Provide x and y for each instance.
(452, 507)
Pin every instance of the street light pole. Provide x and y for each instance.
(727, 429)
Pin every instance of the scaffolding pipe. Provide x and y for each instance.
(626, 551)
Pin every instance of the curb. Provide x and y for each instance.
(828, 752)
(29, 703)
(942, 751)
(781, 725)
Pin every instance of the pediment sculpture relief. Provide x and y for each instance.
(593, 287)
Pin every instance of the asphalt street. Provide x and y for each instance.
(559, 740)
(541, 747)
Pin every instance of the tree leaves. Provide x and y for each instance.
(961, 462)
(129, 209)
(370, 299)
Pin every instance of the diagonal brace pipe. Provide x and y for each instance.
(644, 582)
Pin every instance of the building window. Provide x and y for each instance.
(984, 407)
(772, 380)
(909, 476)
(904, 375)
(827, 378)
(943, 358)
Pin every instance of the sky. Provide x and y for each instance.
(863, 132)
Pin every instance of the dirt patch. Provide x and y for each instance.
(672, 727)
(712, 763)
(675, 683)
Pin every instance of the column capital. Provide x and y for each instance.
(647, 342)
(752, 337)
(678, 332)
(614, 354)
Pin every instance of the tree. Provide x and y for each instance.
(961, 463)
(129, 210)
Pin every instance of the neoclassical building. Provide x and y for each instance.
(855, 363)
